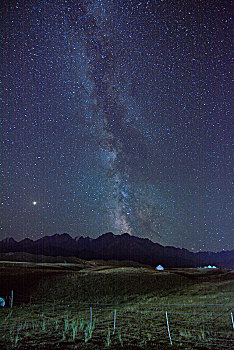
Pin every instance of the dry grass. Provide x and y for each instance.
(59, 316)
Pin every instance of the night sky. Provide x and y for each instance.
(116, 116)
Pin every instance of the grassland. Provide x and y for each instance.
(110, 305)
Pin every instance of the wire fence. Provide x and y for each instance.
(208, 325)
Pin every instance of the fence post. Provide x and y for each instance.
(140, 318)
(11, 299)
(168, 328)
(91, 314)
(203, 328)
(232, 320)
(114, 321)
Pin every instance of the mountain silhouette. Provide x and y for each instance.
(118, 247)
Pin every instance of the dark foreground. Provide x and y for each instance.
(68, 306)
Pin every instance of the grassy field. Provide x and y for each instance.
(103, 305)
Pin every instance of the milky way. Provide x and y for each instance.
(116, 117)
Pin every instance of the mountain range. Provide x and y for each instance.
(118, 247)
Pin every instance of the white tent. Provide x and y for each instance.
(160, 268)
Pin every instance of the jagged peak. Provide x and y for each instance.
(127, 235)
(107, 234)
(9, 240)
(27, 240)
(65, 235)
(61, 235)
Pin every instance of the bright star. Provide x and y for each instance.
(34, 203)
